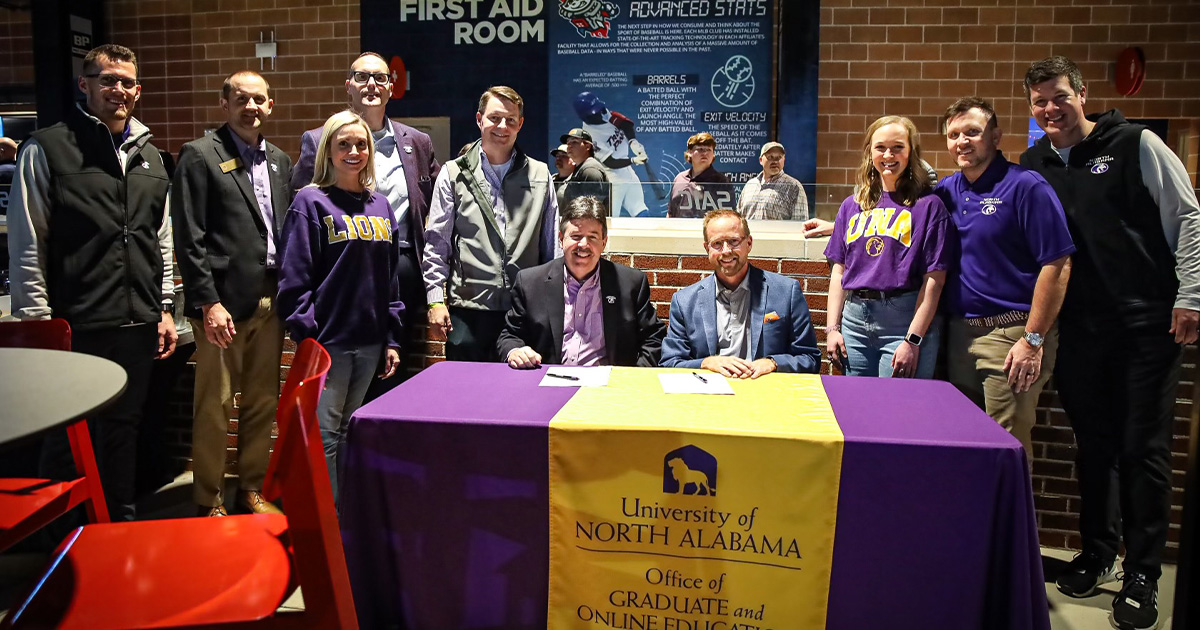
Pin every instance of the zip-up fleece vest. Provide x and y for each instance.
(1123, 272)
(485, 264)
(103, 265)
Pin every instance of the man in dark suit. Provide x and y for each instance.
(741, 322)
(228, 200)
(405, 168)
(581, 309)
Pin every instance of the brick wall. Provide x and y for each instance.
(16, 49)
(910, 57)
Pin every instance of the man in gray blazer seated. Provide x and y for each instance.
(741, 322)
(581, 309)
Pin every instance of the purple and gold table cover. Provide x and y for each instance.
(446, 499)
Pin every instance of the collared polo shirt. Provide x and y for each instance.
(1010, 224)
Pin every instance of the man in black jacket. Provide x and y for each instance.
(589, 176)
(90, 243)
(581, 309)
(228, 201)
(1132, 302)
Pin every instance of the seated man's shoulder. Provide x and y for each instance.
(530, 274)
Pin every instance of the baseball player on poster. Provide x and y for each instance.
(616, 145)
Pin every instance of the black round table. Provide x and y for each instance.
(44, 389)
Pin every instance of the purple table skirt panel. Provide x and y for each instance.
(445, 502)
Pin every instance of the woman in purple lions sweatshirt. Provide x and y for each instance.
(337, 283)
(888, 258)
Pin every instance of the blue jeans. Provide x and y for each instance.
(350, 373)
(873, 329)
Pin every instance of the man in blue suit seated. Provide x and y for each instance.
(741, 322)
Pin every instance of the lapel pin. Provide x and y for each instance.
(274, 167)
(146, 165)
(408, 148)
(612, 299)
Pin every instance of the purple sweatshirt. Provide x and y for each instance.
(337, 281)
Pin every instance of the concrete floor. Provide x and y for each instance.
(17, 569)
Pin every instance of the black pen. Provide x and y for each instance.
(702, 379)
(563, 376)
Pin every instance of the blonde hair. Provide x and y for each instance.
(913, 182)
(323, 172)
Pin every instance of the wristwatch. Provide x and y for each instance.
(914, 339)
(1034, 339)
(167, 307)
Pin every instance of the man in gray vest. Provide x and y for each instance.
(91, 243)
(493, 213)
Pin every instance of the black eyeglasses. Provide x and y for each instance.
(112, 80)
(382, 78)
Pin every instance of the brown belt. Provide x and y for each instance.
(1003, 319)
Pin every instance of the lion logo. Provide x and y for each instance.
(590, 17)
(690, 470)
(874, 246)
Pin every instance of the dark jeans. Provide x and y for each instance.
(114, 429)
(474, 334)
(1118, 389)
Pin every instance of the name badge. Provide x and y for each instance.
(229, 165)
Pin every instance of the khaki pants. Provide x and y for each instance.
(976, 368)
(250, 364)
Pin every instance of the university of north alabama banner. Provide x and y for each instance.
(693, 512)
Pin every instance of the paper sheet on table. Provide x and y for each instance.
(690, 383)
(583, 376)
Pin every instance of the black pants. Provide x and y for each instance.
(114, 429)
(473, 335)
(1118, 389)
(412, 293)
(155, 467)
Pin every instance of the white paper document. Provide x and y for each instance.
(563, 376)
(694, 383)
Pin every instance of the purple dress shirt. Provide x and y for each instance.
(583, 321)
(254, 160)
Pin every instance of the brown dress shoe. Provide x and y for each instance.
(253, 501)
(213, 511)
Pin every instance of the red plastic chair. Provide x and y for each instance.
(27, 505)
(213, 572)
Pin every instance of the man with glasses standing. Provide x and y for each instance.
(740, 322)
(90, 242)
(405, 168)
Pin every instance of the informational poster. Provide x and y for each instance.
(640, 76)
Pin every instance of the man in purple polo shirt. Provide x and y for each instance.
(1012, 273)
(581, 309)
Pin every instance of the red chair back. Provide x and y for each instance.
(55, 334)
(297, 472)
(47, 334)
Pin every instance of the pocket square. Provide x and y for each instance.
(770, 317)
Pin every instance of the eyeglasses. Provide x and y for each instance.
(731, 243)
(381, 78)
(112, 80)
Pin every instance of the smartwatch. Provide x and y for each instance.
(914, 339)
